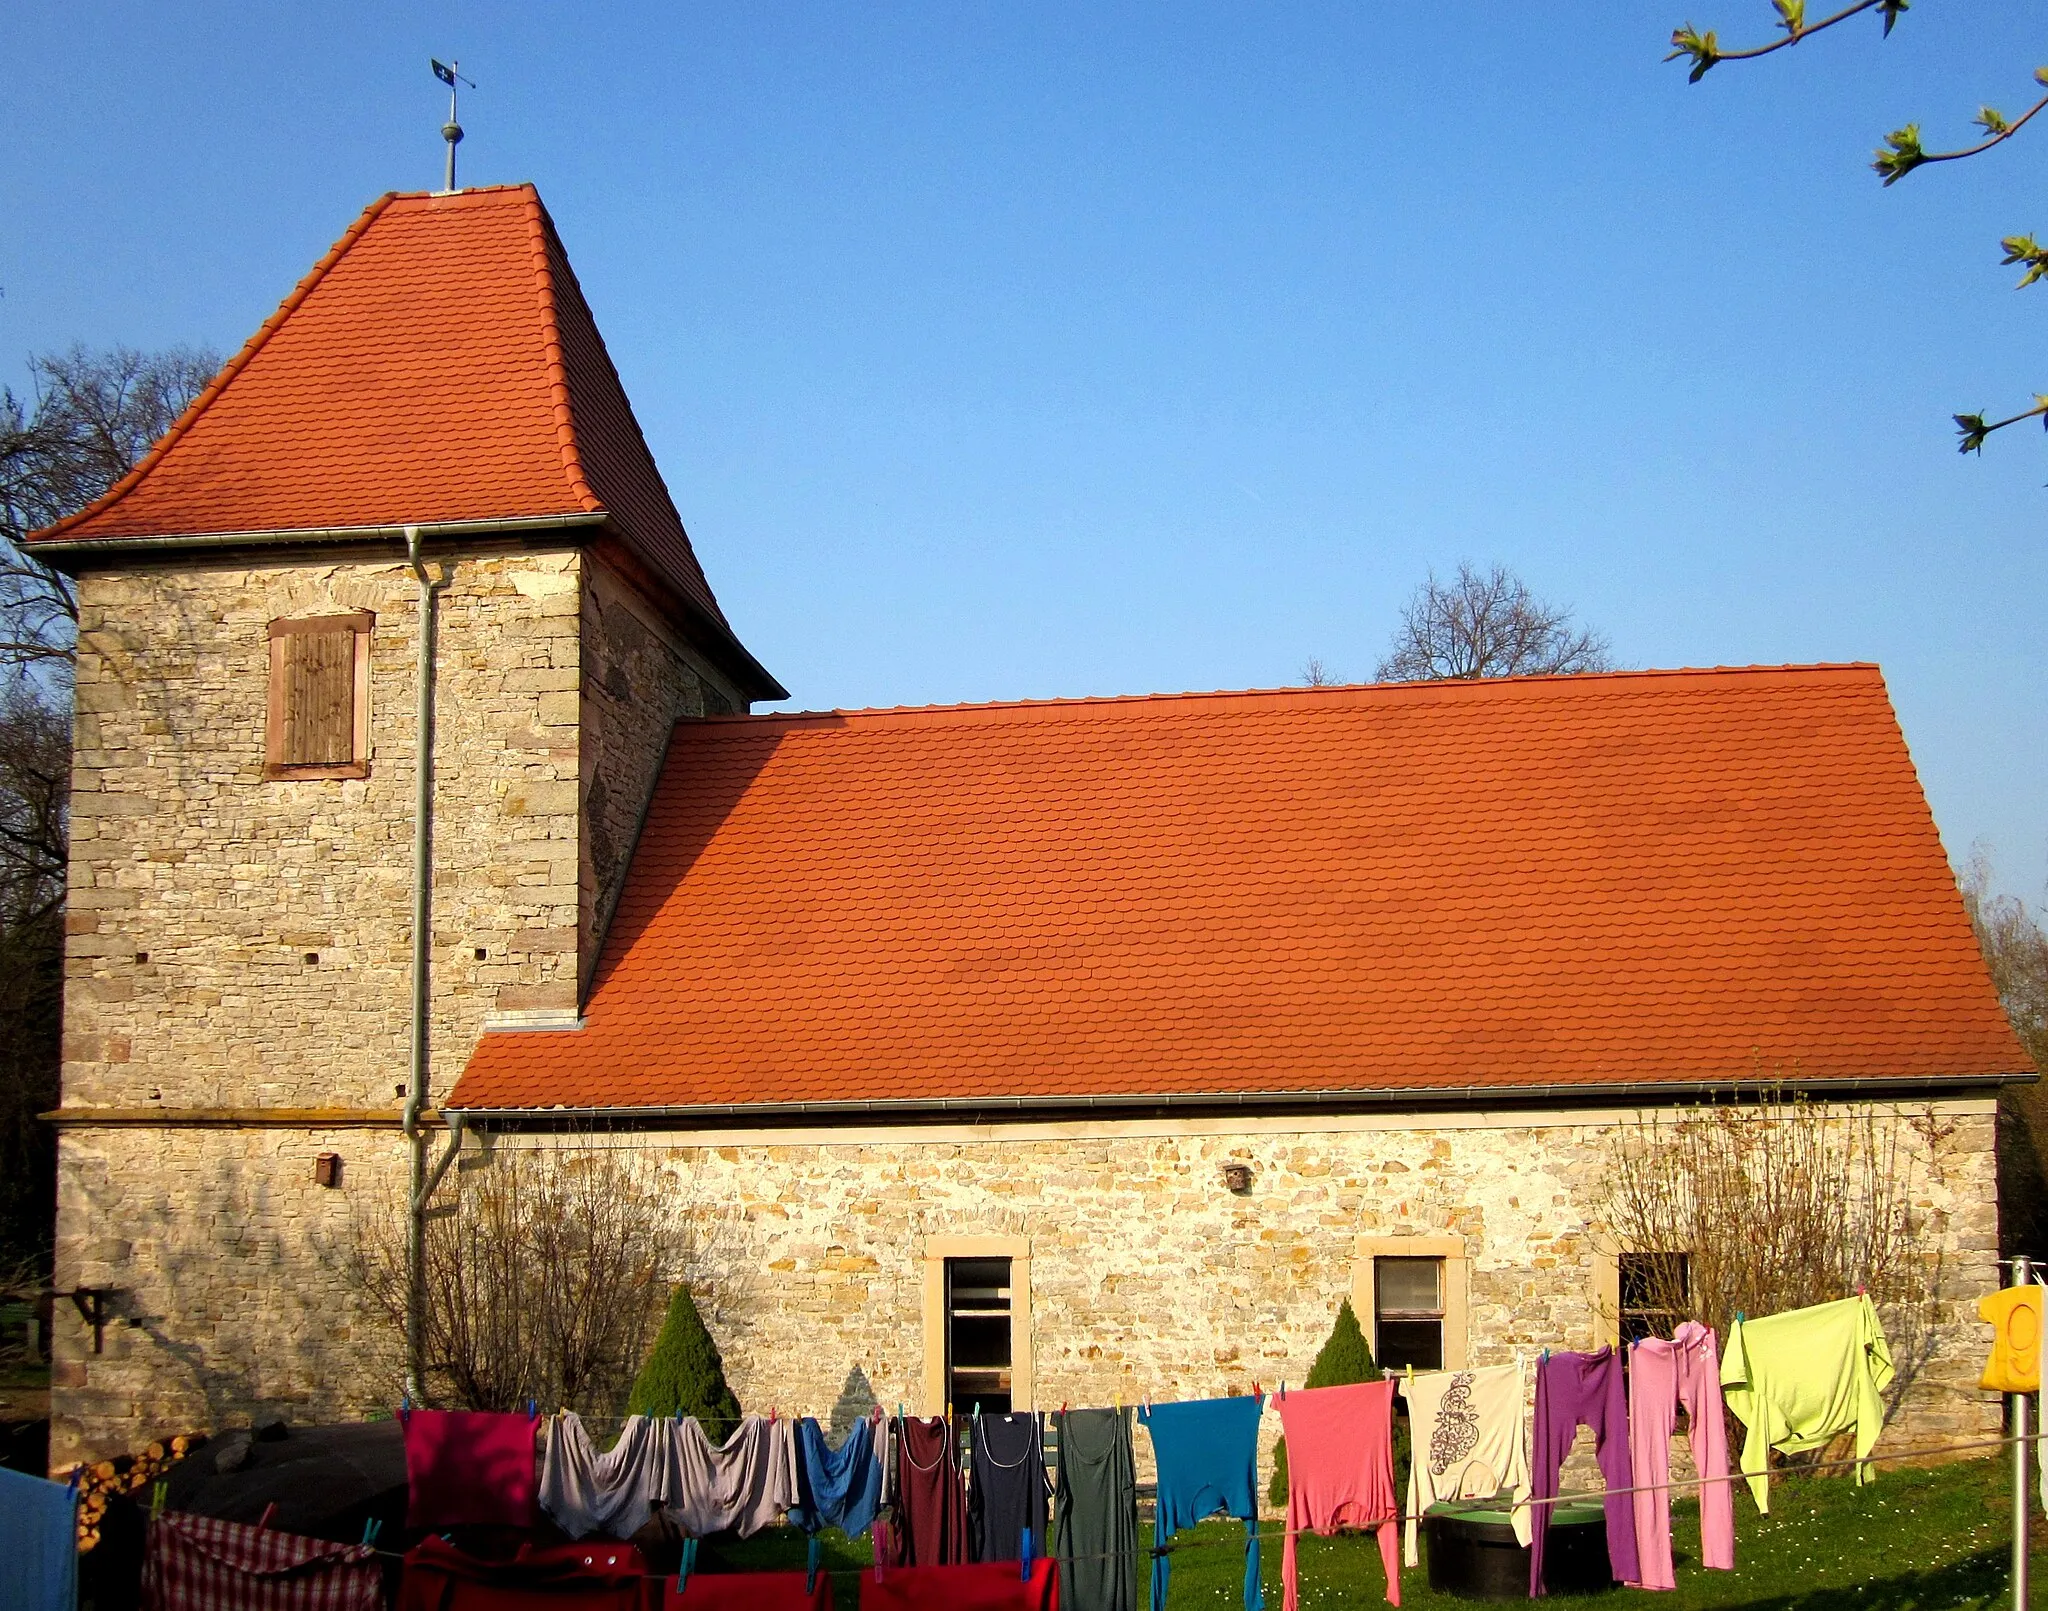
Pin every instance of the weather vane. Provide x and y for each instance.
(451, 131)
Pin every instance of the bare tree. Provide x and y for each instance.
(35, 782)
(2016, 951)
(1315, 674)
(93, 416)
(1487, 624)
(544, 1279)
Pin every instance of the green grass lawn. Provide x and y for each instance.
(1911, 1541)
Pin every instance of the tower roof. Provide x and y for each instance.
(438, 367)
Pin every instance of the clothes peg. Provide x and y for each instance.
(1739, 1317)
(811, 1565)
(1024, 1555)
(372, 1526)
(159, 1496)
(269, 1515)
(686, 1565)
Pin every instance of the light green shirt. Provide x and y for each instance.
(1800, 1379)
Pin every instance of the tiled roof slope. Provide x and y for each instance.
(1652, 877)
(439, 364)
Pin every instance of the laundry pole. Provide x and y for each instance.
(2022, 1275)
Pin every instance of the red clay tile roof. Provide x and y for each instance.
(1635, 878)
(439, 364)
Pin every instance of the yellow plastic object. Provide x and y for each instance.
(2015, 1316)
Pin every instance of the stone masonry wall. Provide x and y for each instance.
(638, 682)
(807, 1250)
(242, 943)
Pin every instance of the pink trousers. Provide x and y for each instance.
(1662, 1376)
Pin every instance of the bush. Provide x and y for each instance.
(1346, 1358)
(684, 1375)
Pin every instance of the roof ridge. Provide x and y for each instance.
(558, 368)
(1452, 685)
(228, 371)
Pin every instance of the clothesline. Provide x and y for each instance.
(1236, 1541)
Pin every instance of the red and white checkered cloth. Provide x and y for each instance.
(199, 1563)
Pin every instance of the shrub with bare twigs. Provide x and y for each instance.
(544, 1280)
(1778, 1205)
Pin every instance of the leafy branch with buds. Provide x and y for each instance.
(1901, 153)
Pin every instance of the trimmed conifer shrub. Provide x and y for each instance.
(1344, 1359)
(684, 1375)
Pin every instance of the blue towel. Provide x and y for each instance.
(38, 1544)
(839, 1487)
(1207, 1452)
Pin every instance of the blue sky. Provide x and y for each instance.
(1085, 349)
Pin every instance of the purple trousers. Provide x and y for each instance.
(1575, 1390)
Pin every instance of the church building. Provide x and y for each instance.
(1028, 1053)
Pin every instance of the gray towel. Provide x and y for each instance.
(745, 1484)
(611, 1493)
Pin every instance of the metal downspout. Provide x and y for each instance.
(422, 941)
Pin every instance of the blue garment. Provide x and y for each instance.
(1207, 1453)
(38, 1544)
(838, 1487)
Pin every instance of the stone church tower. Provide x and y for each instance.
(240, 955)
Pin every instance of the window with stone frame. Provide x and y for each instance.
(1408, 1313)
(318, 723)
(1656, 1294)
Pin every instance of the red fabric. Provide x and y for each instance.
(750, 1591)
(468, 1468)
(200, 1563)
(930, 1526)
(989, 1586)
(594, 1576)
(1340, 1471)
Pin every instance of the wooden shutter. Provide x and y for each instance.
(318, 685)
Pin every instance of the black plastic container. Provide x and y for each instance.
(1473, 1554)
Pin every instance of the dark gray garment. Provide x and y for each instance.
(1010, 1488)
(1095, 1516)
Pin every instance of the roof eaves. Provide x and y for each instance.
(1333, 1098)
(285, 536)
(233, 367)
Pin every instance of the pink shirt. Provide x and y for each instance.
(1340, 1471)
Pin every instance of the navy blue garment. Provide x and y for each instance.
(840, 1487)
(1010, 1487)
(1207, 1452)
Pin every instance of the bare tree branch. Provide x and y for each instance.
(1487, 624)
(95, 414)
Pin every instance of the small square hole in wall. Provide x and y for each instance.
(398, 1091)
(141, 956)
(312, 957)
(481, 954)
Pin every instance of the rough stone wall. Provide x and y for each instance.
(236, 1304)
(238, 942)
(1147, 1276)
(638, 682)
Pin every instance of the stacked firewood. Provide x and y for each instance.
(101, 1481)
